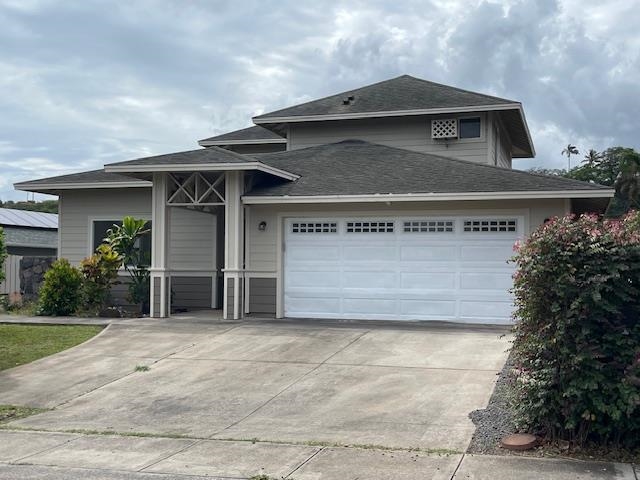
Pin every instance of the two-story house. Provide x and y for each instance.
(392, 201)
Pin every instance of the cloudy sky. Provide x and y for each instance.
(84, 83)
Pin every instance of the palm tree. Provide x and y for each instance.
(592, 157)
(568, 151)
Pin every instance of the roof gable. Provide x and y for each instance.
(404, 93)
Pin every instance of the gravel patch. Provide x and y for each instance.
(495, 421)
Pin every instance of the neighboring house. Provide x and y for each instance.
(27, 234)
(392, 201)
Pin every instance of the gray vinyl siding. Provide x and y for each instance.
(411, 133)
(193, 233)
(262, 295)
(259, 148)
(79, 207)
(191, 292)
(193, 240)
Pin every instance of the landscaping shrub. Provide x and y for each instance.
(577, 335)
(100, 274)
(61, 292)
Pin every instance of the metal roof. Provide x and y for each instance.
(26, 218)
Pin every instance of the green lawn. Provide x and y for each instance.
(21, 344)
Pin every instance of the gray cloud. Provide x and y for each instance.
(86, 83)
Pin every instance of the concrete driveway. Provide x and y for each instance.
(390, 385)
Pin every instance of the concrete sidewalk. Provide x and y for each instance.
(63, 455)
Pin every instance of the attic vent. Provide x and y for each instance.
(348, 100)
(444, 128)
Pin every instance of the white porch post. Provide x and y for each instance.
(234, 246)
(160, 301)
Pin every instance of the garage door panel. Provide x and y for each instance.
(313, 252)
(486, 253)
(485, 309)
(308, 306)
(367, 254)
(369, 279)
(430, 307)
(428, 280)
(432, 253)
(316, 279)
(369, 306)
(486, 280)
(419, 274)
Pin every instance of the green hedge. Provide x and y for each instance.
(577, 335)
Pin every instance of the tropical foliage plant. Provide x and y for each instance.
(577, 335)
(100, 272)
(126, 240)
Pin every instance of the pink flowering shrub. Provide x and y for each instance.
(577, 332)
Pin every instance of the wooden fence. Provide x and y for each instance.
(11, 281)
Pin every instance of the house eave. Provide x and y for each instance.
(194, 167)
(27, 187)
(220, 143)
(427, 197)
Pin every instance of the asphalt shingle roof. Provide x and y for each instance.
(26, 218)
(91, 176)
(210, 155)
(251, 133)
(397, 94)
(355, 167)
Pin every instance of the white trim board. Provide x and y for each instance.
(215, 143)
(206, 167)
(81, 185)
(426, 197)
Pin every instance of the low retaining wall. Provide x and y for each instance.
(32, 270)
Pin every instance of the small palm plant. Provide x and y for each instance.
(126, 239)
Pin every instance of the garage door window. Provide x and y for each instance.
(314, 227)
(429, 226)
(491, 225)
(370, 227)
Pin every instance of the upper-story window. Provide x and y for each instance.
(469, 127)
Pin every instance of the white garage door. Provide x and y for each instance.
(401, 268)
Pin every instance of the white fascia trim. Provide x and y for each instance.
(195, 167)
(80, 185)
(428, 197)
(216, 143)
(526, 128)
(391, 113)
